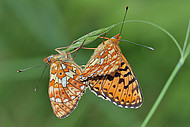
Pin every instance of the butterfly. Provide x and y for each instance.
(65, 88)
(109, 75)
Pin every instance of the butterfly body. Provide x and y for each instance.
(65, 88)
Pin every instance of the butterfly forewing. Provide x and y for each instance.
(106, 59)
(120, 87)
(65, 88)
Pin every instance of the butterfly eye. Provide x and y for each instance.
(49, 59)
(113, 37)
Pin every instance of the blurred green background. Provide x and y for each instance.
(30, 30)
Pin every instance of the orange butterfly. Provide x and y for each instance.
(65, 88)
(109, 75)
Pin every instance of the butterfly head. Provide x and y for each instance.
(60, 57)
(49, 59)
(116, 38)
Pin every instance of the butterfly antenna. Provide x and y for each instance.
(123, 21)
(139, 44)
(41, 77)
(30, 68)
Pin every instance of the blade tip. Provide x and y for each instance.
(19, 71)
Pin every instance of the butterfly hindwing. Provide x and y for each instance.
(62, 110)
(120, 87)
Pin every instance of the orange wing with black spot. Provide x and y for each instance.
(65, 88)
(106, 59)
(120, 87)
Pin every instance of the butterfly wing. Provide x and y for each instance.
(106, 59)
(62, 110)
(120, 87)
(65, 88)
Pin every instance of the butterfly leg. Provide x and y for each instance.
(87, 48)
(78, 49)
(104, 38)
(58, 49)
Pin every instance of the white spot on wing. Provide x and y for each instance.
(70, 73)
(56, 80)
(91, 74)
(112, 62)
(52, 99)
(72, 97)
(120, 106)
(101, 61)
(54, 65)
(106, 66)
(115, 103)
(83, 78)
(113, 50)
(78, 93)
(55, 68)
(95, 61)
(58, 100)
(60, 81)
(65, 100)
(82, 87)
(101, 53)
(99, 71)
(63, 66)
(64, 82)
(52, 77)
(126, 106)
(74, 69)
(68, 79)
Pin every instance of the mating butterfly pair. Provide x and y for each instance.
(108, 75)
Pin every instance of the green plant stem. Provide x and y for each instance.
(163, 92)
(187, 52)
(186, 39)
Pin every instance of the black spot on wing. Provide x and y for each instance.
(132, 81)
(110, 78)
(117, 74)
(129, 73)
(121, 80)
(125, 69)
(122, 64)
(125, 87)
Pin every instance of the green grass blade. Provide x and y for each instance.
(88, 38)
(187, 50)
(163, 92)
(186, 38)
